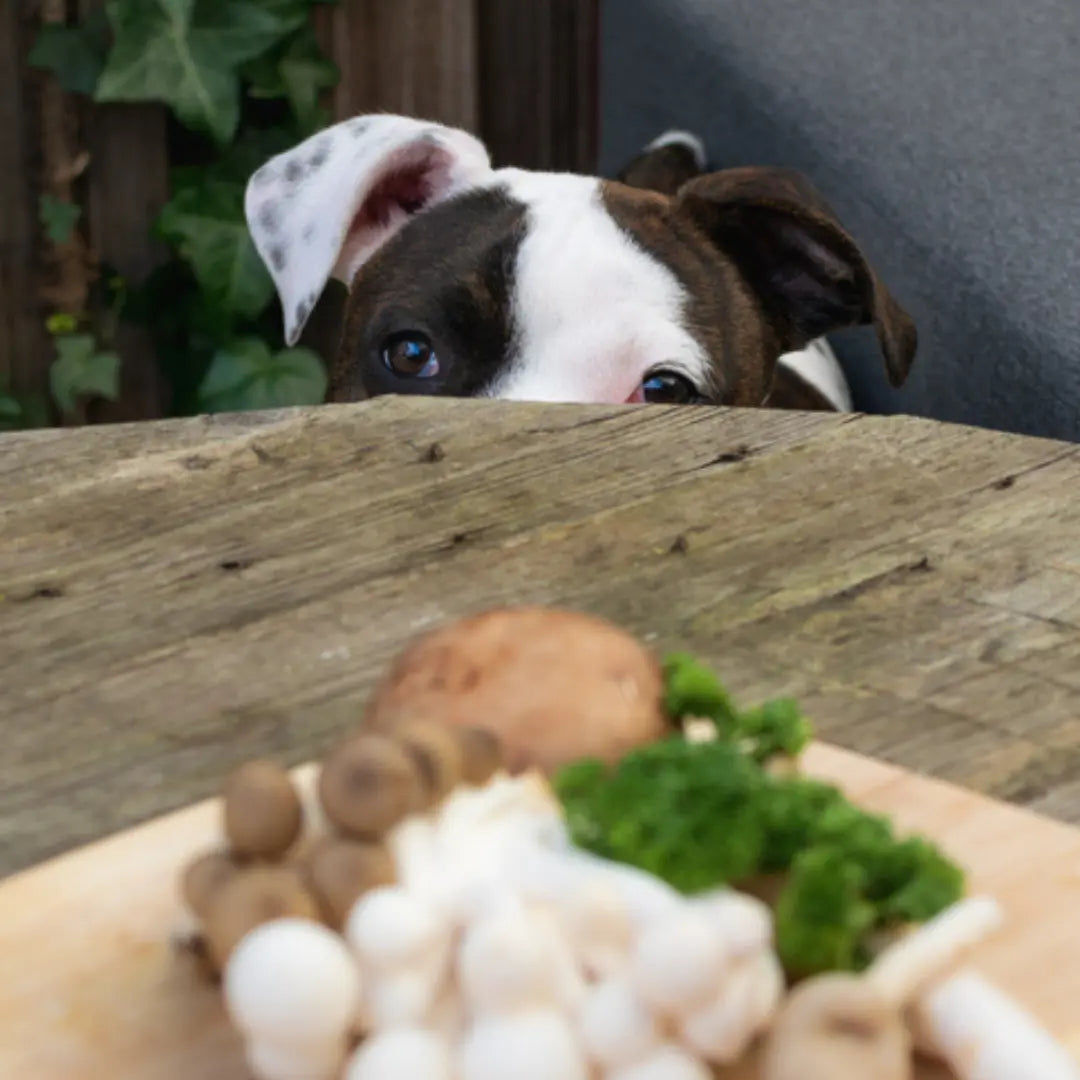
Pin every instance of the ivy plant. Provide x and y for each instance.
(243, 80)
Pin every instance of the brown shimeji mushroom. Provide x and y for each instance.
(262, 810)
(438, 755)
(251, 897)
(368, 784)
(481, 754)
(339, 871)
(203, 877)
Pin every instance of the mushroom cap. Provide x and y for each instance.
(402, 1053)
(261, 810)
(617, 1027)
(339, 871)
(837, 1026)
(554, 685)
(203, 877)
(268, 1061)
(678, 962)
(292, 983)
(391, 926)
(368, 783)
(532, 1044)
(438, 754)
(668, 1062)
(505, 961)
(250, 897)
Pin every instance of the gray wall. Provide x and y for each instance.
(946, 134)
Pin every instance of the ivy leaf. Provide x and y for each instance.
(206, 222)
(298, 71)
(246, 375)
(186, 53)
(58, 218)
(79, 370)
(10, 413)
(75, 54)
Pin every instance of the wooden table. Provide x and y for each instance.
(176, 596)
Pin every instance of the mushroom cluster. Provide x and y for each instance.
(436, 919)
(414, 908)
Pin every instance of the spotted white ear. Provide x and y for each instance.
(323, 208)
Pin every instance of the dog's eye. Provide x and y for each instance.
(410, 356)
(668, 388)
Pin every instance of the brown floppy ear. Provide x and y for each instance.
(806, 269)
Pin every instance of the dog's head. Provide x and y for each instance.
(469, 281)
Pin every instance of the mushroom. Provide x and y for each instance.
(984, 1035)
(529, 1044)
(203, 878)
(505, 961)
(721, 1030)
(853, 1026)
(677, 963)
(593, 689)
(403, 1053)
(438, 754)
(293, 991)
(481, 754)
(666, 1062)
(617, 1027)
(262, 810)
(368, 784)
(837, 1026)
(251, 897)
(339, 871)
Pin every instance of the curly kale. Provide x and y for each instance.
(701, 815)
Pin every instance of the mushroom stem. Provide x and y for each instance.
(983, 1035)
(927, 954)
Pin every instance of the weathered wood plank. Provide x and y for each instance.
(179, 595)
(538, 83)
(23, 342)
(416, 57)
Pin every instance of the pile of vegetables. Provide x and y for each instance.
(457, 892)
(701, 814)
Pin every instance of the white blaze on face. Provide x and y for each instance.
(593, 313)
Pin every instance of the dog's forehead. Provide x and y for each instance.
(593, 310)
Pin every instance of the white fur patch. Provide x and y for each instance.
(593, 313)
(682, 138)
(818, 366)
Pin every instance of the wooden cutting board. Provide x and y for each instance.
(93, 988)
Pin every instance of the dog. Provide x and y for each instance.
(669, 284)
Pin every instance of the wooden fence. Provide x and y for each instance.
(521, 75)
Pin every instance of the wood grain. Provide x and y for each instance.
(102, 992)
(179, 595)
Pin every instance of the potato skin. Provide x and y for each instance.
(554, 685)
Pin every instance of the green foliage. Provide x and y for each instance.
(58, 218)
(188, 53)
(82, 370)
(244, 78)
(246, 375)
(705, 814)
(75, 54)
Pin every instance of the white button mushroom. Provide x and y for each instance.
(721, 1030)
(294, 984)
(617, 1028)
(678, 962)
(505, 961)
(392, 925)
(269, 1061)
(404, 1053)
(598, 927)
(745, 922)
(405, 996)
(666, 1062)
(531, 1044)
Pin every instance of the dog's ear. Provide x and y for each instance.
(323, 208)
(807, 271)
